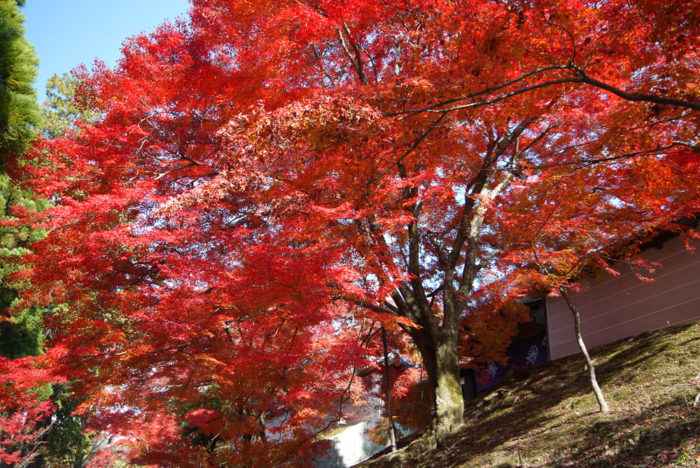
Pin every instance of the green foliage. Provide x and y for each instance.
(19, 110)
(64, 106)
(66, 443)
(15, 238)
(22, 334)
(19, 114)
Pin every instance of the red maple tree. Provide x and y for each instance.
(270, 177)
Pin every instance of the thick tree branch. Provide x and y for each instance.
(356, 58)
(618, 157)
(580, 76)
(471, 222)
(639, 97)
(409, 113)
(412, 148)
(369, 305)
(437, 108)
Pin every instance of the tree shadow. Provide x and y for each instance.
(528, 402)
(646, 444)
(518, 405)
(633, 352)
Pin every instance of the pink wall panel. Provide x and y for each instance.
(615, 307)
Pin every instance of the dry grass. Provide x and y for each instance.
(547, 416)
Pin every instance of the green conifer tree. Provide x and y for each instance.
(19, 109)
(22, 336)
(63, 443)
(19, 117)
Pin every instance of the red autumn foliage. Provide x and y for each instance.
(25, 414)
(268, 178)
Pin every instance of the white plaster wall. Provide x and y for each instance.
(616, 307)
(350, 447)
(352, 443)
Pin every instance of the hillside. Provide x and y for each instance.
(546, 415)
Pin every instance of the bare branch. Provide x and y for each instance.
(639, 97)
(356, 61)
(410, 113)
(618, 157)
(412, 148)
(580, 76)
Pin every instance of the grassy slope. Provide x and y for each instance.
(546, 415)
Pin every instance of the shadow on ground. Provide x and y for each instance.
(546, 415)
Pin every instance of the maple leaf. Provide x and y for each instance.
(270, 178)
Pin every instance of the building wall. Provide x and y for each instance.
(616, 307)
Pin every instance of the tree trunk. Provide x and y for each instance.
(389, 406)
(602, 404)
(439, 355)
(449, 404)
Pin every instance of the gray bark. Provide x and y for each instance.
(602, 404)
(389, 405)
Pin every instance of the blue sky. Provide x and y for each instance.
(67, 33)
